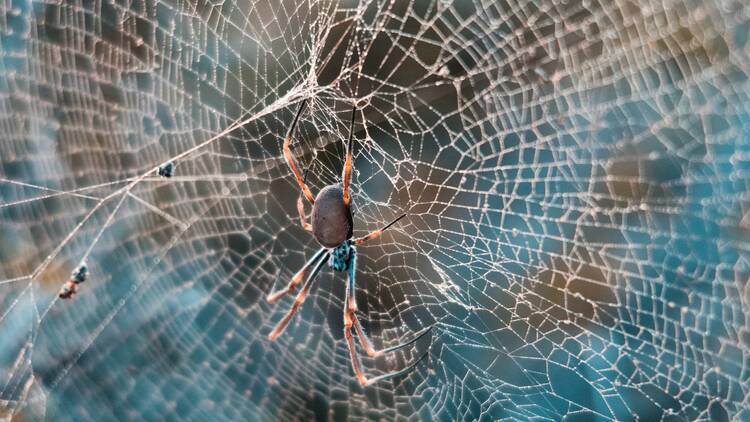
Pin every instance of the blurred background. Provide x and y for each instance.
(575, 175)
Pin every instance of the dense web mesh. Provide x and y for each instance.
(575, 175)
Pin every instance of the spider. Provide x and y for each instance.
(332, 227)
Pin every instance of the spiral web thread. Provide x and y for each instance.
(575, 175)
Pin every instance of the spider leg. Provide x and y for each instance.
(301, 207)
(303, 220)
(347, 173)
(394, 374)
(350, 320)
(351, 304)
(372, 352)
(275, 296)
(297, 301)
(376, 233)
(290, 158)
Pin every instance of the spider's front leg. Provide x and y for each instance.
(302, 218)
(347, 173)
(290, 158)
(351, 321)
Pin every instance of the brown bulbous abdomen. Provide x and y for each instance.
(331, 218)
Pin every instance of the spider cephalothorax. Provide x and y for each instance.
(332, 227)
(339, 259)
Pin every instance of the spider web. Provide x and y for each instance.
(575, 175)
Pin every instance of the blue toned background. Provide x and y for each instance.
(575, 176)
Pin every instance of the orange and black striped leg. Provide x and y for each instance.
(275, 296)
(376, 233)
(366, 344)
(302, 219)
(290, 158)
(351, 321)
(347, 173)
(297, 301)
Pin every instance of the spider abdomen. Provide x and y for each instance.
(331, 217)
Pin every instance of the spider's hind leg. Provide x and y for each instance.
(297, 301)
(351, 321)
(297, 279)
(372, 352)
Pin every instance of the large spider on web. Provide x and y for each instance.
(332, 227)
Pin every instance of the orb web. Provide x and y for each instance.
(574, 172)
